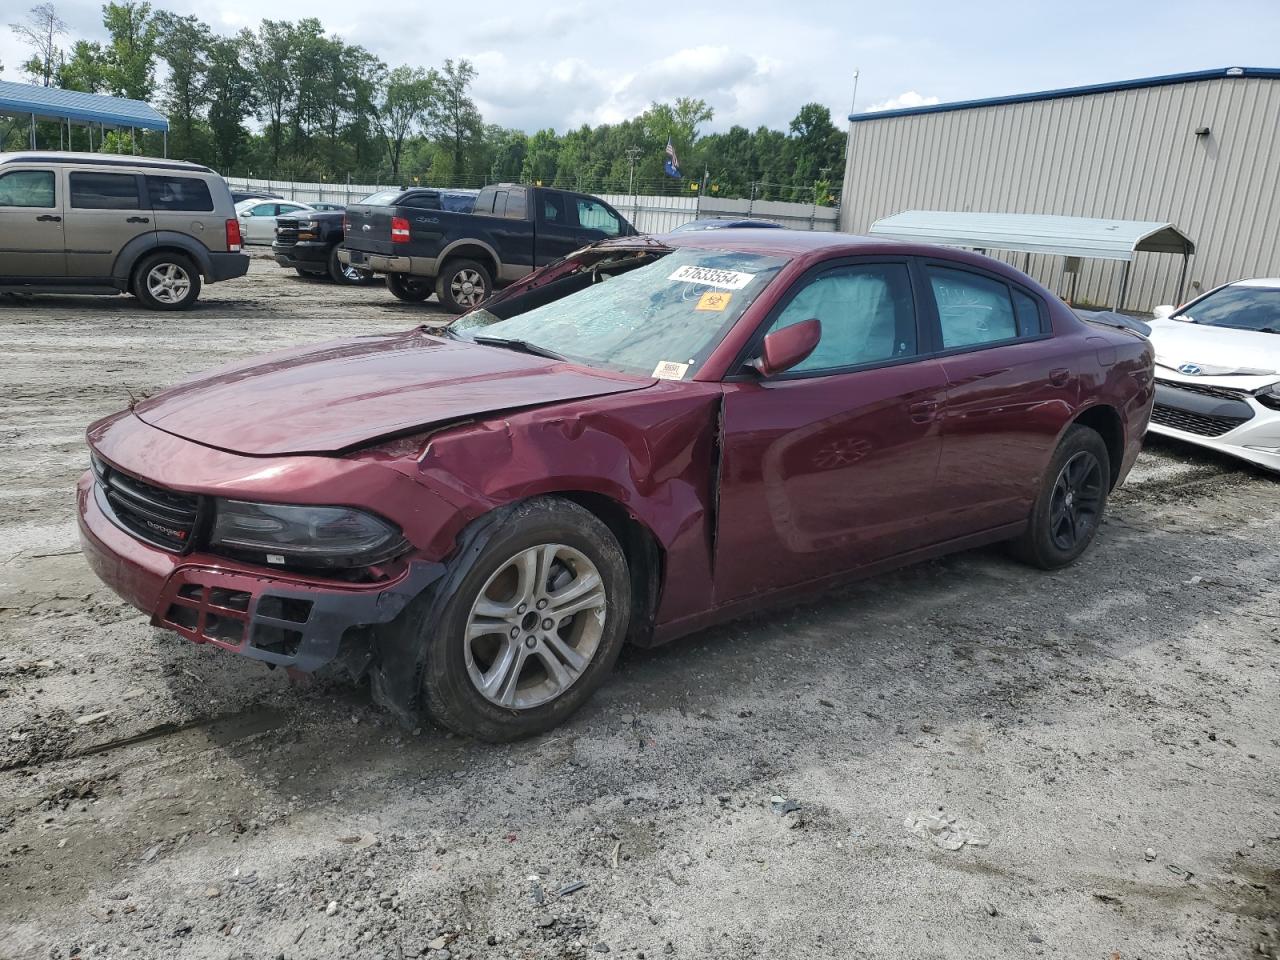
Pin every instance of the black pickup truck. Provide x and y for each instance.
(309, 242)
(463, 257)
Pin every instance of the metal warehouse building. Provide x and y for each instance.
(1199, 150)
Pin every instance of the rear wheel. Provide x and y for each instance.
(340, 272)
(463, 284)
(166, 281)
(528, 623)
(1068, 511)
(411, 289)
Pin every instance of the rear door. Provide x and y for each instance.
(185, 205)
(31, 223)
(105, 210)
(1011, 388)
(557, 221)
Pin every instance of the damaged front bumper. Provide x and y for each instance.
(285, 620)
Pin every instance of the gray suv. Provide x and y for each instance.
(95, 223)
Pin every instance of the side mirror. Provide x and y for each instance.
(785, 348)
(1163, 311)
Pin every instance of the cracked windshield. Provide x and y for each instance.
(662, 319)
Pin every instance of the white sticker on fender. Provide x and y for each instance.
(670, 370)
(724, 279)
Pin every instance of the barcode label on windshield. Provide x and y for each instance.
(724, 279)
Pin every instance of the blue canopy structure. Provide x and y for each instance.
(72, 106)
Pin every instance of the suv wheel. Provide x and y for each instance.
(404, 287)
(527, 623)
(166, 281)
(1068, 511)
(463, 284)
(340, 272)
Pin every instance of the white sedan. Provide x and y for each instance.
(258, 218)
(1218, 371)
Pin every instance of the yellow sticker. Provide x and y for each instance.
(713, 300)
(670, 370)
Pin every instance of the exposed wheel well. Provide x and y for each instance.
(163, 248)
(1105, 421)
(478, 254)
(644, 559)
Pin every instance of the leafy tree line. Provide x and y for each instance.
(291, 102)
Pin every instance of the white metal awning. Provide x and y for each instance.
(1036, 233)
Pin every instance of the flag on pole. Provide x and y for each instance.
(672, 164)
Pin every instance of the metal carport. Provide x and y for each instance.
(90, 109)
(1082, 237)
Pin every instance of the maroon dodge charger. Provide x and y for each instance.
(643, 439)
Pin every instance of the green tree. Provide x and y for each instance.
(453, 117)
(84, 70)
(541, 158)
(130, 53)
(185, 42)
(232, 96)
(406, 99)
(40, 31)
(272, 77)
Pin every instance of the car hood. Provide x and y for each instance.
(345, 394)
(1217, 351)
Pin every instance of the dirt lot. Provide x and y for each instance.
(1114, 728)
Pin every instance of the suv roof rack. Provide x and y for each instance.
(105, 160)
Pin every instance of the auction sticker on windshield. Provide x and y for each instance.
(727, 279)
(670, 370)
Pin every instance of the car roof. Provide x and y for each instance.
(102, 159)
(789, 243)
(1268, 282)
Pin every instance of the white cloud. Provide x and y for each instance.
(904, 101)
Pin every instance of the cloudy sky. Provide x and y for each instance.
(567, 62)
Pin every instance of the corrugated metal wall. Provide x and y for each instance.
(1129, 154)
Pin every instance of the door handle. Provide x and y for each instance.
(48, 218)
(923, 411)
(138, 220)
(1059, 377)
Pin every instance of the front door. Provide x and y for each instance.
(104, 212)
(833, 464)
(31, 233)
(557, 231)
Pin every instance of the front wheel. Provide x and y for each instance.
(529, 622)
(463, 284)
(411, 289)
(345, 273)
(1069, 508)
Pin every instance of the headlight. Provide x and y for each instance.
(1269, 396)
(302, 536)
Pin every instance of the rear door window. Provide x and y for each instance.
(27, 188)
(178, 193)
(972, 309)
(105, 191)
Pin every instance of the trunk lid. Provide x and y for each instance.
(369, 228)
(342, 395)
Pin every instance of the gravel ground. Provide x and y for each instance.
(1110, 730)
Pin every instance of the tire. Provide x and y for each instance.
(166, 281)
(528, 697)
(346, 274)
(1071, 503)
(410, 289)
(463, 285)
(305, 274)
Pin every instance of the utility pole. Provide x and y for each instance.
(633, 154)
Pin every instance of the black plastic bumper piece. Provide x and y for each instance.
(227, 266)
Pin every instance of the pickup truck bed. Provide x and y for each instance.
(464, 257)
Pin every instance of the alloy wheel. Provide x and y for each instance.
(1076, 501)
(467, 287)
(353, 274)
(535, 626)
(168, 283)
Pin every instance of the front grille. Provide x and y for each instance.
(164, 518)
(286, 231)
(1222, 393)
(1199, 424)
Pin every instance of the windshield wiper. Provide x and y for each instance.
(524, 346)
